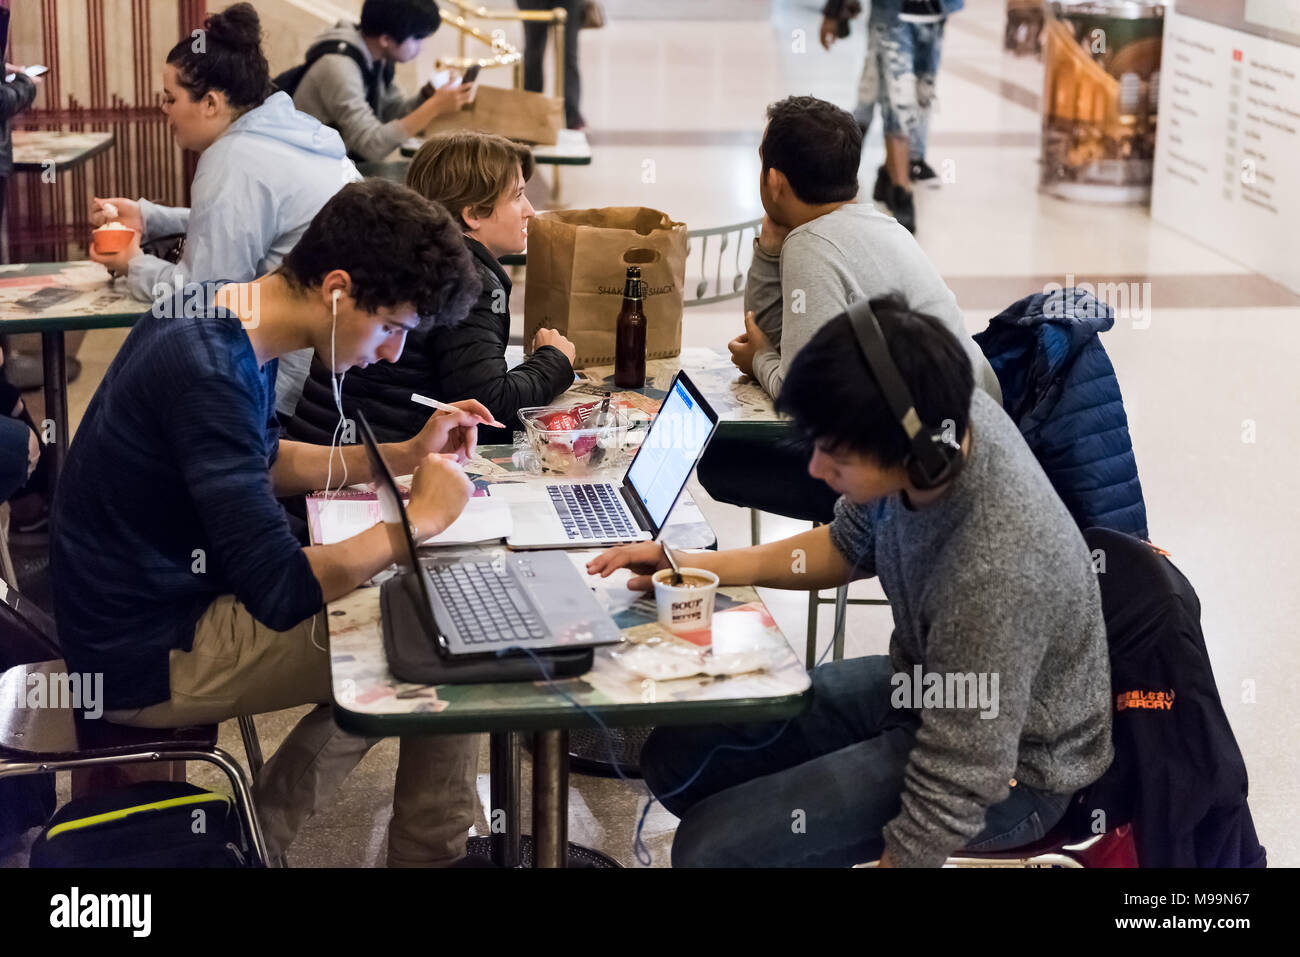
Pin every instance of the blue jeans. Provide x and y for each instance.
(820, 793)
(899, 75)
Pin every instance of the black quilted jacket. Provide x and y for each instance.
(464, 361)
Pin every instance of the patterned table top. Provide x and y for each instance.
(735, 397)
(368, 698)
(36, 297)
(33, 149)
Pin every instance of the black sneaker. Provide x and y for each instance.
(921, 11)
(904, 210)
(880, 192)
(921, 172)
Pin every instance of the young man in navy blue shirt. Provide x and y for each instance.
(176, 574)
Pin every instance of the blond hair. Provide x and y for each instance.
(463, 168)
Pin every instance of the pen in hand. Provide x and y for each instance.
(444, 407)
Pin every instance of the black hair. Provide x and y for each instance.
(817, 145)
(399, 19)
(833, 397)
(227, 56)
(398, 247)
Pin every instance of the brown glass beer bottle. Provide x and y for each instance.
(629, 342)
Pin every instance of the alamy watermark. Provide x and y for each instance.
(77, 910)
(947, 689)
(1127, 300)
(64, 691)
(179, 299)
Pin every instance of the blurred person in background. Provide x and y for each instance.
(904, 42)
(535, 53)
(348, 80)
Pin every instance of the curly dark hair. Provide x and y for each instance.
(816, 145)
(227, 56)
(398, 247)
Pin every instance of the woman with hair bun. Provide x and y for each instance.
(264, 171)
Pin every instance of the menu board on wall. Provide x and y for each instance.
(1228, 142)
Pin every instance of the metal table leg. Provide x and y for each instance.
(551, 798)
(56, 398)
(841, 620)
(503, 815)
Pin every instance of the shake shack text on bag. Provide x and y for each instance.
(577, 261)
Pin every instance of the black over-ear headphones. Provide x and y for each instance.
(935, 458)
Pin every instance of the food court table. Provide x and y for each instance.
(35, 149)
(369, 700)
(53, 299)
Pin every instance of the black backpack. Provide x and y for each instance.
(149, 824)
(382, 70)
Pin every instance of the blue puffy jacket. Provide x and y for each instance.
(1058, 385)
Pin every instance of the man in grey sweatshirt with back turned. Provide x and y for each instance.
(993, 705)
(820, 249)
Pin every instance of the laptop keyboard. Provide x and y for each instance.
(591, 511)
(485, 605)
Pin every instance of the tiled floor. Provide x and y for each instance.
(1220, 349)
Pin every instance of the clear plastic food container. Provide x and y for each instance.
(564, 441)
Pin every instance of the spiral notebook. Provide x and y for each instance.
(351, 512)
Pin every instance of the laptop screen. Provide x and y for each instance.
(393, 515)
(671, 448)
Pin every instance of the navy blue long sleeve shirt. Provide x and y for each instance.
(165, 503)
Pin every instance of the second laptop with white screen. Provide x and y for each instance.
(571, 514)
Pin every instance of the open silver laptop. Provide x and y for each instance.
(580, 514)
(537, 602)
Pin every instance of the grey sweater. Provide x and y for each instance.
(855, 252)
(334, 92)
(995, 578)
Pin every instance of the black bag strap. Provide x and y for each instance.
(371, 75)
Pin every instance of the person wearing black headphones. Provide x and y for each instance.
(991, 708)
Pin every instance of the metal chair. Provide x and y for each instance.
(714, 259)
(46, 740)
(6, 559)
(49, 739)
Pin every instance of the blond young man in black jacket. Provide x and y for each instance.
(480, 179)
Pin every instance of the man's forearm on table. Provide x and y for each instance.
(802, 562)
(341, 567)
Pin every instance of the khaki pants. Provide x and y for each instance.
(238, 666)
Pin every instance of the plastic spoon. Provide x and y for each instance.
(677, 572)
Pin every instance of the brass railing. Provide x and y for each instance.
(503, 53)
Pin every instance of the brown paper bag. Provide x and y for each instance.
(577, 263)
(514, 114)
